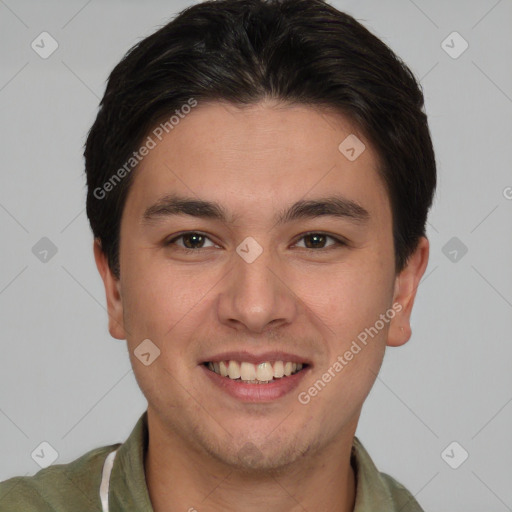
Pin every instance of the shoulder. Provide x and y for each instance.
(56, 488)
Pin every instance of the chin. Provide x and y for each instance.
(253, 456)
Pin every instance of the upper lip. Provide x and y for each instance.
(251, 357)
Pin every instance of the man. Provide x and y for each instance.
(259, 176)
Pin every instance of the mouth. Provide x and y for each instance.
(251, 373)
(256, 378)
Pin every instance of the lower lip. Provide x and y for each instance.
(273, 390)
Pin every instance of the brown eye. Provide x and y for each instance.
(192, 241)
(318, 241)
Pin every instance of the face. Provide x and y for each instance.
(259, 284)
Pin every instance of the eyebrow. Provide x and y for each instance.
(334, 206)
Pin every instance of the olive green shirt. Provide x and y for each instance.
(75, 487)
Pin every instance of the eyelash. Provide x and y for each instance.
(338, 242)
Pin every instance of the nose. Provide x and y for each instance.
(256, 296)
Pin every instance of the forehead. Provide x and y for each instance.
(257, 158)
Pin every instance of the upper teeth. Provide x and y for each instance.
(263, 372)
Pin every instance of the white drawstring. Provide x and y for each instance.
(105, 479)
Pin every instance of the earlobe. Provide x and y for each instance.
(406, 285)
(112, 292)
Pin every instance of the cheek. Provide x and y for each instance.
(159, 300)
(349, 298)
(164, 305)
(350, 308)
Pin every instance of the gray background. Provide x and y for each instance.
(64, 380)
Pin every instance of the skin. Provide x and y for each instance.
(309, 301)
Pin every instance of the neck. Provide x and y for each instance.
(180, 478)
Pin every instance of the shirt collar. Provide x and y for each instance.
(128, 489)
(372, 491)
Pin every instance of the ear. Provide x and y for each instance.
(112, 291)
(406, 284)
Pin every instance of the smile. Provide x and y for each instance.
(249, 373)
